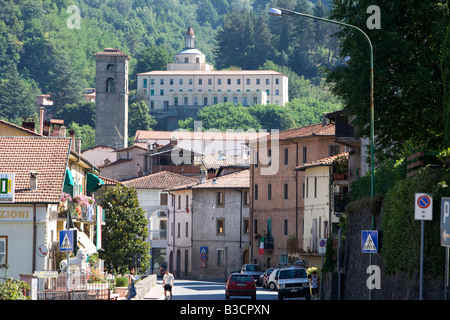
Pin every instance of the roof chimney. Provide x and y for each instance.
(324, 120)
(33, 180)
(41, 119)
(203, 175)
(72, 136)
(78, 145)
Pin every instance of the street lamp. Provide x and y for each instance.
(279, 13)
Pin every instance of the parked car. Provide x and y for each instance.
(272, 283)
(240, 284)
(293, 282)
(254, 270)
(300, 264)
(264, 278)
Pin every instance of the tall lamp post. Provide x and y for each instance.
(279, 13)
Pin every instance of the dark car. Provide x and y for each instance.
(254, 270)
(240, 284)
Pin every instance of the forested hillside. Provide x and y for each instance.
(42, 50)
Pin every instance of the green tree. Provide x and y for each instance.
(223, 116)
(139, 118)
(82, 113)
(85, 132)
(408, 84)
(272, 116)
(125, 232)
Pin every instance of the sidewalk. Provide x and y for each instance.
(156, 293)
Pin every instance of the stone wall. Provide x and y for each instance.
(354, 270)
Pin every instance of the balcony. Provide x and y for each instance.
(158, 234)
(79, 213)
(268, 243)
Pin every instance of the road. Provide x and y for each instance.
(211, 290)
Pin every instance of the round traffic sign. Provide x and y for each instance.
(323, 243)
(423, 202)
(203, 257)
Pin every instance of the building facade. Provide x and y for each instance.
(278, 195)
(210, 227)
(111, 104)
(190, 83)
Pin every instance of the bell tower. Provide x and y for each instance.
(111, 98)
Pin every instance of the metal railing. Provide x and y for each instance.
(77, 286)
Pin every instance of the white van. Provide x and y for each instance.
(293, 282)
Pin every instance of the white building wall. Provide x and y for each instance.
(19, 230)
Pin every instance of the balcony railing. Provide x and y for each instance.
(86, 214)
(158, 234)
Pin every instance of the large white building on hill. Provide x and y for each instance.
(190, 83)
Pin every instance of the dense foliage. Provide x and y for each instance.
(408, 85)
(401, 232)
(125, 233)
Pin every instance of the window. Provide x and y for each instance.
(228, 81)
(175, 101)
(277, 92)
(145, 83)
(171, 81)
(187, 203)
(220, 257)
(220, 223)
(209, 82)
(180, 81)
(268, 92)
(215, 100)
(246, 198)
(161, 92)
(257, 81)
(285, 227)
(186, 60)
(238, 81)
(219, 81)
(185, 100)
(269, 191)
(246, 226)
(110, 67)
(315, 187)
(152, 92)
(163, 199)
(197, 60)
(179, 201)
(190, 81)
(255, 226)
(195, 100)
(187, 229)
(205, 101)
(152, 81)
(152, 104)
(178, 230)
(3, 251)
(200, 81)
(219, 198)
(161, 81)
(248, 81)
(333, 150)
(110, 85)
(285, 191)
(255, 100)
(267, 81)
(256, 192)
(305, 154)
(277, 81)
(286, 156)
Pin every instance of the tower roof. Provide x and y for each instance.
(112, 52)
(190, 31)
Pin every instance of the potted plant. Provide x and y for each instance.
(340, 167)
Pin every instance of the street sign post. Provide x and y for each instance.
(423, 207)
(445, 238)
(369, 241)
(66, 240)
(423, 210)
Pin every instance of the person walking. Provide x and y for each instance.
(314, 286)
(168, 283)
(131, 288)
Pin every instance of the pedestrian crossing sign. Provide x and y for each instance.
(369, 241)
(66, 240)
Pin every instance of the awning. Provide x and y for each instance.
(93, 182)
(86, 243)
(68, 179)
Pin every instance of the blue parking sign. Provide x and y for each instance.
(369, 241)
(445, 222)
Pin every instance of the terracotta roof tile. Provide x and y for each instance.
(239, 179)
(45, 155)
(160, 180)
(321, 162)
